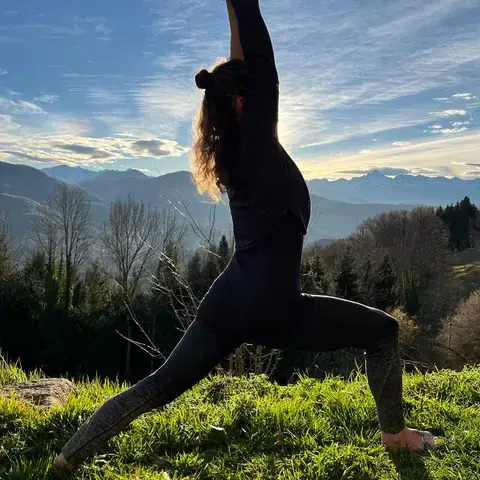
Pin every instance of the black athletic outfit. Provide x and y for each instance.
(257, 299)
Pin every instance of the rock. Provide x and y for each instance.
(46, 392)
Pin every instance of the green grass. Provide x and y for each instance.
(228, 428)
(466, 271)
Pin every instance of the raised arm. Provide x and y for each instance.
(255, 40)
(260, 113)
(236, 52)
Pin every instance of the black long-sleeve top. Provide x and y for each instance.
(265, 181)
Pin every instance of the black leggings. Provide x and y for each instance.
(257, 299)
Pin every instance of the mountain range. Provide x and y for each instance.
(418, 189)
(338, 207)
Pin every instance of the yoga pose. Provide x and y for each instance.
(257, 299)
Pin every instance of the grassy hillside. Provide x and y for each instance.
(466, 270)
(239, 428)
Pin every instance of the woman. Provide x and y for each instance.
(257, 299)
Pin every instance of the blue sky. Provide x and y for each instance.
(391, 85)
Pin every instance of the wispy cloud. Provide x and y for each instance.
(7, 39)
(77, 27)
(99, 25)
(398, 73)
(7, 123)
(174, 60)
(3, 71)
(18, 107)
(45, 29)
(48, 98)
(449, 113)
(76, 150)
(451, 131)
(389, 171)
(346, 66)
(442, 155)
(464, 96)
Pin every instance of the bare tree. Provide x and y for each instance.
(46, 233)
(6, 262)
(130, 238)
(173, 283)
(62, 228)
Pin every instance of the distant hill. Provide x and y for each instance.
(75, 175)
(22, 187)
(378, 188)
(371, 188)
(69, 174)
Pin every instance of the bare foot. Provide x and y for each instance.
(410, 439)
(61, 464)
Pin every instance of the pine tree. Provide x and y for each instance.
(385, 283)
(194, 274)
(223, 253)
(367, 280)
(210, 270)
(463, 222)
(346, 280)
(411, 293)
(321, 280)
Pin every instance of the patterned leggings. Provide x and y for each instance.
(257, 299)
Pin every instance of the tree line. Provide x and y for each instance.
(114, 299)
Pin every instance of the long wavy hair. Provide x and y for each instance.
(216, 125)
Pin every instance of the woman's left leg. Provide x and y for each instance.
(322, 323)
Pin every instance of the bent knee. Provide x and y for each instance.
(389, 327)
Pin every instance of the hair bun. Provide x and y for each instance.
(203, 79)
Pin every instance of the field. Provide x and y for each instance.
(249, 428)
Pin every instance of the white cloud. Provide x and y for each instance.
(351, 87)
(435, 127)
(7, 123)
(19, 107)
(175, 60)
(400, 144)
(432, 157)
(3, 71)
(356, 72)
(64, 145)
(47, 98)
(77, 27)
(449, 113)
(451, 131)
(459, 124)
(99, 26)
(464, 96)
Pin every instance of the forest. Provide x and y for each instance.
(112, 300)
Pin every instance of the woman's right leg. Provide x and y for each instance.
(203, 346)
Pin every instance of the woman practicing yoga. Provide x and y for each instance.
(257, 299)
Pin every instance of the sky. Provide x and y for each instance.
(388, 85)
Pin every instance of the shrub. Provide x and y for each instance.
(461, 332)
